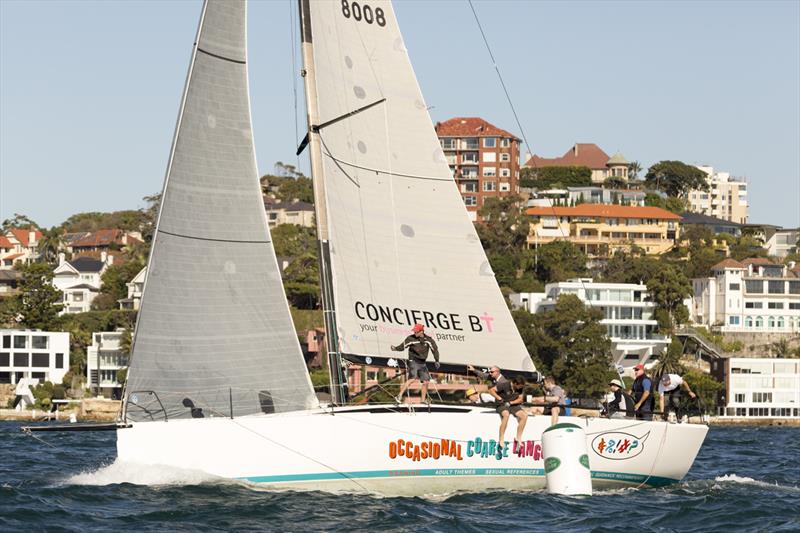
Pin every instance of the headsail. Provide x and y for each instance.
(214, 335)
(402, 247)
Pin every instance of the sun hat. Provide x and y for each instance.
(616, 382)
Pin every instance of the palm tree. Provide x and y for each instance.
(633, 170)
(670, 361)
(50, 244)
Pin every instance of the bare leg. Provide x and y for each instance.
(503, 424)
(404, 388)
(554, 415)
(424, 394)
(522, 418)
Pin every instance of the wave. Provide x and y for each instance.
(744, 480)
(120, 472)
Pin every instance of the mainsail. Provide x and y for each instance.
(402, 248)
(214, 335)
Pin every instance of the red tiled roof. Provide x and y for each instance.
(470, 127)
(4, 242)
(22, 234)
(727, 263)
(103, 237)
(606, 211)
(12, 256)
(580, 155)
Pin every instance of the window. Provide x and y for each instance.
(505, 158)
(794, 287)
(20, 359)
(489, 142)
(40, 360)
(505, 173)
(470, 144)
(758, 411)
(6, 341)
(780, 322)
(77, 297)
(448, 144)
(755, 286)
(793, 305)
(505, 187)
(734, 286)
(20, 341)
(748, 322)
(469, 187)
(41, 376)
(505, 143)
(738, 398)
(469, 157)
(59, 360)
(39, 342)
(5, 359)
(489, 157)
(762, 397)
(489, 186)
(775, 305)
(489, 172)
(733, 320)
(759, 322)
(776, 287)
(470, 200)
(771, 322)
(753, 305)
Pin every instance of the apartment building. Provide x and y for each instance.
(600, 230)
(586, 155)
(754, 295)
(758, 387)
(782, 242)
(42, 355)
(104, 358)
(628, 314)
(726, 198)
(483, 158)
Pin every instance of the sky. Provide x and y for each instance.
(90, 90)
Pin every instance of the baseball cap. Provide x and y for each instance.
(417, 327)
(640, 366)
(665, 378)
(616, 382)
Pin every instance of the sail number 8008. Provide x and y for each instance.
(363, 12)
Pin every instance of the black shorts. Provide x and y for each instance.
(513, 409)
(548, 409)
(418, 370)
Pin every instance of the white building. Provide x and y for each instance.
(725, 199)
(42, 355)
(759, 387)
(103, 359)
(80, 281)
(783, 242)
(294, 212)
(135, 289)
(627, 309)
(754, 295)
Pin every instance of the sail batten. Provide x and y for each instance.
(402, 248)
(214, 335)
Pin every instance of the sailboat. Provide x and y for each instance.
(217, 380)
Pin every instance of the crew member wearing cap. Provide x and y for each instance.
(622, 404)
(642, 392)
(509, 397)
(418, 345)
(670, 387)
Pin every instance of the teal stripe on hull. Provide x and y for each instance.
(652, 481)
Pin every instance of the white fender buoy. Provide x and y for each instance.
(566, 461)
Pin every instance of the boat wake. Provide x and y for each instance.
(733, 478)
(120, 472)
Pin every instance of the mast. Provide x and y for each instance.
(337, 375)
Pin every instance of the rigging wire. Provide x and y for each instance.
(293, 24)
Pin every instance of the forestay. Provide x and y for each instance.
(403, 249)
(214, 329)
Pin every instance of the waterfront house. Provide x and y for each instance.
(758, 387)
(628, 315)
(104, 359)
(80, 280)
(42, 355)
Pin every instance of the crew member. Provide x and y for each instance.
(554, 397)
(670, 387)
(642, 393)
(621, 406)
(418, 345)
(510, 397)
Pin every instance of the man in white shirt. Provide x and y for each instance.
(669, 387)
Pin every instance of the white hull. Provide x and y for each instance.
(364, 449)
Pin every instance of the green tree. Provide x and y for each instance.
(614, 182)
(706, 388)
(668, 288)
(150, 216)
(38, 303)
(548, 177)
(291, 240)
(558, 261)
(633, 170)
(18, 221)
(671, 204)
(745, 247)
(115, 279)
(670, 361)
(676, 178)
(50, 243)
(569, 343)
(301, 282)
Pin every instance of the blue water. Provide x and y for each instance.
(745, 479)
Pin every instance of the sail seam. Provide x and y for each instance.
(379, 171)
(239, 61)
(210, 239)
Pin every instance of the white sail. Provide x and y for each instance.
(214, 335)
(403, 249)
